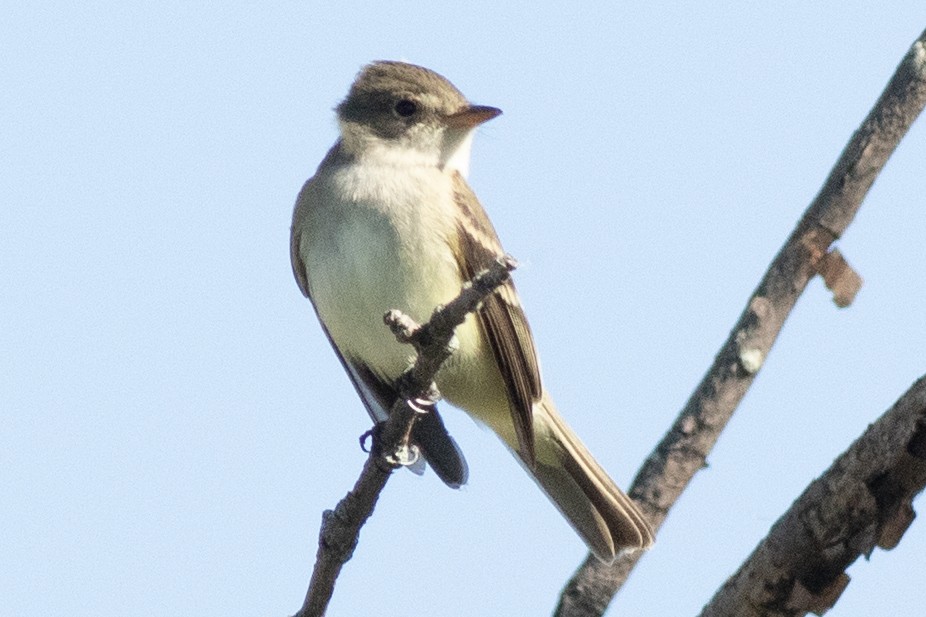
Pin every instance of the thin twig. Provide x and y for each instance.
(684, 449)
(434, 342)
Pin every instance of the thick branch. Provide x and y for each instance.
(434, 342)
(684, 449)
(863, 500)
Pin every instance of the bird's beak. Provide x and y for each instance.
(472, 116)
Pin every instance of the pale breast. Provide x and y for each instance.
(383, 244)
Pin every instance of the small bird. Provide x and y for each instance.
(389, 222)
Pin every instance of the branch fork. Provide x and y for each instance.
(392, 448)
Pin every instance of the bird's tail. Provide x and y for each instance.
(601, 513)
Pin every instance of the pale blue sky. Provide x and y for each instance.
(172, 422)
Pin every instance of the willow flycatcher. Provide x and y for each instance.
(389, 222)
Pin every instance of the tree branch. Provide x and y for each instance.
(863, 500)
(684, 449)
(434, 342)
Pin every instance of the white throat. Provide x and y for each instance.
(457, 156)
(450, 151)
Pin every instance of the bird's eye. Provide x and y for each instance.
(405, 108)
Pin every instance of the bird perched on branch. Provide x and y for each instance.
(389, 222)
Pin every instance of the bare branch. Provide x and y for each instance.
(434, 342)
(863, 500)
(684, 449)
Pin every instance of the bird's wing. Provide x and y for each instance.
(501, 317)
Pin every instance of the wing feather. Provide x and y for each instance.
(501, 317)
